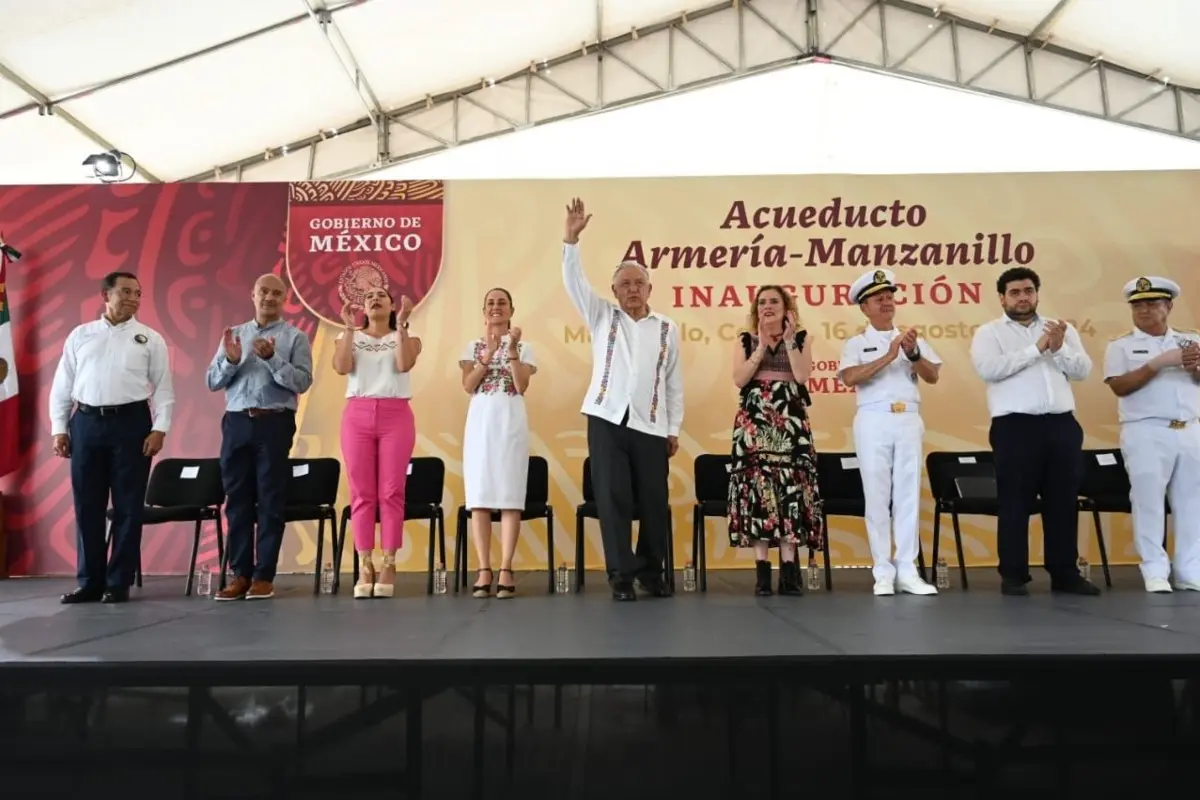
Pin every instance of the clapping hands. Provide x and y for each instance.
(264, 348)
(1053, 335)
(233, 347)
(908, 341)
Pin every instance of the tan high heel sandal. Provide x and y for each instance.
(366, 577)
(389, 569)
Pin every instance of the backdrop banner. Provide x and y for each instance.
(346, 237)
(709, 243)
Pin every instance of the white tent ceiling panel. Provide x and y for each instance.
(11, 96)
(186, 86)
(257, 94)
(410, 49)
(942, 132)
(1154, 37)
(92, 41)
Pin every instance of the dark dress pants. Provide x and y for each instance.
(254, 470)
(1038, 455)
(622, 458)
(107, 459)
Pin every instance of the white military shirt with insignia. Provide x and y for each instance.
(1172, 395)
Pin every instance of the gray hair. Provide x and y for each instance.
(626, 265)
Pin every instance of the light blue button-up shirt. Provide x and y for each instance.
(273, 383)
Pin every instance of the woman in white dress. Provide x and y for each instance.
(496, 369)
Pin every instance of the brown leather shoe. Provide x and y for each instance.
(235, 590)
(260, 590)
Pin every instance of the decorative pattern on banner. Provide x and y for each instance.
(347, 237)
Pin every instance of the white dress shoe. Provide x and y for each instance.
(884, 588)
(1188, 586)
(912, 584)
(1158, 586)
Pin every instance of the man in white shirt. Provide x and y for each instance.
(1154, 370)
(110, 371)
(1027, 362)
(634, 407)
(888, 431)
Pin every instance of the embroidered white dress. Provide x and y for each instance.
(496, 439)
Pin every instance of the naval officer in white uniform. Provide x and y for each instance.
(1154, 370)
(885, 366)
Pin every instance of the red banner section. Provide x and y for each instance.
(346, 237)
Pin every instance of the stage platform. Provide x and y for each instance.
(165, 638)
(964, 694)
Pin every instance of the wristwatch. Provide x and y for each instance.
(916, 354)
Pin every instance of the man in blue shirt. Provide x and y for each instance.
(262, 366)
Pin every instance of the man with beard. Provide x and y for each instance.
(888, 431)
(1154, 369)
(262, 366)
(100, 417)
(1028, 362)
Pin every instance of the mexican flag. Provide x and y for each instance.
(9, 441)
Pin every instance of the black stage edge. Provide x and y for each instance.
(908, 664)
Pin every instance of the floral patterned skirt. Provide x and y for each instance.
(773, 493)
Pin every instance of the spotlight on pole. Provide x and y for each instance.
(112, 166)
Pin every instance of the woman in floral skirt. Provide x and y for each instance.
(774, 500)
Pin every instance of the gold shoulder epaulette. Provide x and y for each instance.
(1122, 335)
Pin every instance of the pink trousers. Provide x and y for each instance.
(378, 437)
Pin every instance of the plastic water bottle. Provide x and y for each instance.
(1085, 569)
(562, 579)
(689, 577)
(814, 574)
(203, 579)
(439, 579)
(327, 578)
(942, 574)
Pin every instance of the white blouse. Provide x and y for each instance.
(375, 374)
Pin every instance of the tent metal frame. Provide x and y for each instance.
(400, 135)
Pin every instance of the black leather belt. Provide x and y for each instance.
(109, 411)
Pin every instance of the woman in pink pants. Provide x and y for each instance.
(378, 431)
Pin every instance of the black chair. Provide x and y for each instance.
(311, 497)
(962, 484)
(588, 510)
(185, 490)
(537, 506)
(842, 496)
(711, 476)
(1105, 490)
(423, 491)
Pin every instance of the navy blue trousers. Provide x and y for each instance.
(254, 470)
(106, 459)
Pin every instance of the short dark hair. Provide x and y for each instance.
(109, 281)
(1014, 274)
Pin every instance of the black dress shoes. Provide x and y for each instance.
(654, 586)
(1075, 584)
(82, 595)
(116, 595)
(623, 592)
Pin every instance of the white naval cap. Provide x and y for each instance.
(873, 282)
(1151, 287)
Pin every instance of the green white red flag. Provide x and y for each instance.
(9, 425)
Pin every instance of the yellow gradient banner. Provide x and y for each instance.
(709, 242)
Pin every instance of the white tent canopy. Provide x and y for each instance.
(293, 89)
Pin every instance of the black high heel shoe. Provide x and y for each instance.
(505, 590)
(482, 590)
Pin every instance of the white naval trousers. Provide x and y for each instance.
(1164, 462)
(889, 450)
